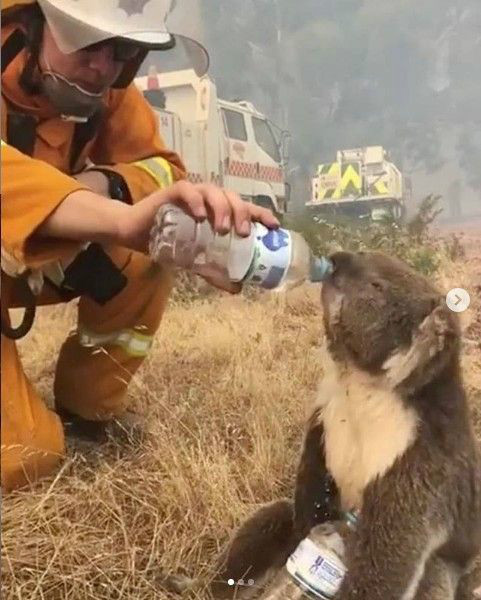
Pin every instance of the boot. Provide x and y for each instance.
(126, 429)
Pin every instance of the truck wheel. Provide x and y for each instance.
(399, 212)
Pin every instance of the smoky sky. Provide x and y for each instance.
(340, 74)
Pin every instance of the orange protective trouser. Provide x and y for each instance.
(87, 383)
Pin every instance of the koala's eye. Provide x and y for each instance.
(378, 286)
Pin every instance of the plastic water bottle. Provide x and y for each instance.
(274, 259)
(316, 568)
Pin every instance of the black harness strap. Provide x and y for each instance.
(22, 132)
(27, 298)
(21, 128)
(13, 46)
(83, 133)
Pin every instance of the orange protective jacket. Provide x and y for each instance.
(32, 187)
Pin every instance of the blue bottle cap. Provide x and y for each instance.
(321, 268)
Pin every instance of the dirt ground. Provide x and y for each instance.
(224, 396)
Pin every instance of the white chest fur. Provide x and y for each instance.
(366, 428)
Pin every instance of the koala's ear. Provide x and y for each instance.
(431, 348)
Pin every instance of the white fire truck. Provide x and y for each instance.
(228, 143)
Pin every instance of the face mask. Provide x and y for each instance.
(74, 102)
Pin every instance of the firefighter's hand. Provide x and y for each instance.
(224, 209)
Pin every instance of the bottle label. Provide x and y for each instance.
(316, 569)
(272, 256)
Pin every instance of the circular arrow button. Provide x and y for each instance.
(458, 300)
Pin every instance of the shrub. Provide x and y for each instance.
(412, 241)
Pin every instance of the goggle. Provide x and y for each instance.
(122, 50)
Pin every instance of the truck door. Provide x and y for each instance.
(239, 167)
(268, 160)
(170, 130)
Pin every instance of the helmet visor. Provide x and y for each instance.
(152, 24)
(184, 55)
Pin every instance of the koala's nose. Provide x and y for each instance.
(342, 261)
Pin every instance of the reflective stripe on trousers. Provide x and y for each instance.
(158, 168)
(131, 341)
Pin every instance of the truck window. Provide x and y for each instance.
(375, 169)
(236, 127)
(155, 98)
(265, 138)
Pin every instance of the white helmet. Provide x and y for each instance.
(152, 24)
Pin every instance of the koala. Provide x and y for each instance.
(389, 436)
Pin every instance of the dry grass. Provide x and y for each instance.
(224, 395)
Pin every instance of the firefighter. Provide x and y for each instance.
(83, 173)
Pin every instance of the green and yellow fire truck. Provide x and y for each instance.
(361, 183)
